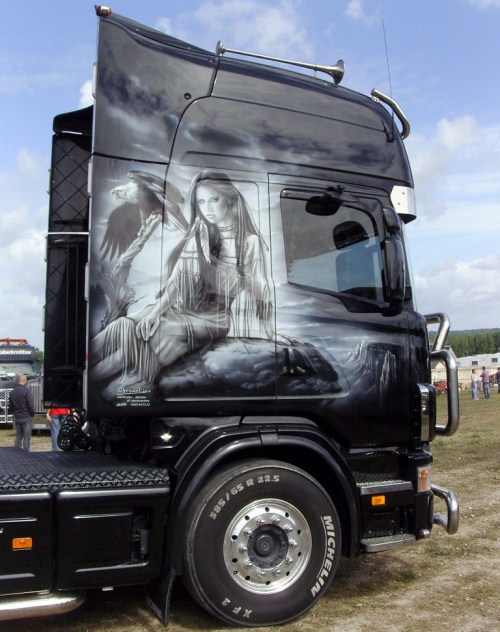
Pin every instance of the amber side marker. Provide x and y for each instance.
(22, 543)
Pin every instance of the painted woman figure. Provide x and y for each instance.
(216, 282)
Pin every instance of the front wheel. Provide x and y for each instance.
(262, 544)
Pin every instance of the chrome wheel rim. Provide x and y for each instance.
(267, 546)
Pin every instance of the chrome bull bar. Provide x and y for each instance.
(451, 520)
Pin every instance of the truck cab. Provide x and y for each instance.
(17, 356)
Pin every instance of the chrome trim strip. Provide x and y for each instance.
(403, 201)
(425, 412)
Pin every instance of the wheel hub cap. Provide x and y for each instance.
(267, 546)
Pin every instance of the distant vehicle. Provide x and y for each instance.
(18, 356)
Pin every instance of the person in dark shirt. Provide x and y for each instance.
(22, 406)
(485, 377)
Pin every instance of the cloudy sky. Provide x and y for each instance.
(439, 60)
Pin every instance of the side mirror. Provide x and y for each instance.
(392, 220)
(323, 205)
(394, 270)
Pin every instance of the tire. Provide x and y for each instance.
(262, 544)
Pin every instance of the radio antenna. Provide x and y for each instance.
(387, 59)
(388, 66)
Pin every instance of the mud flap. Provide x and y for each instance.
(159, 593)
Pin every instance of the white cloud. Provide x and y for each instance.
(23, 217)
(277, 28)
(454, 241)
(20, 78)
(86, 97)
(33, 73)
(27, 162)
(457, 134)
(482, 4)
(355, 10)
(165, 25)
(23, 273)
(435, 160)
(466, 290)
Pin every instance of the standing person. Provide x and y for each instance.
(497, 377)
(55, 417)
(473, 384)
(485, 378)
(23, 408)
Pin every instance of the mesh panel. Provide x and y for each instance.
(69, 201)
(67, 254)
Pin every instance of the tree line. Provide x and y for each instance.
(468, 343)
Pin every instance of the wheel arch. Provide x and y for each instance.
(309, 451)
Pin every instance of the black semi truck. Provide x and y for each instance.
(17, 356)
(230, 310)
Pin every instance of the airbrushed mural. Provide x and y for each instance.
(177, 274)
(184, 307)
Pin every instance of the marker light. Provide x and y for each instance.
(424, 478)
(22, 544)
(377, 501)
(102, 10)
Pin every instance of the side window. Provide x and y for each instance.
(339, 252)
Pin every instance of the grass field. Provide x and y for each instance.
(443, 583)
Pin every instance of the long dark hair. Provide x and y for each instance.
(244, 223)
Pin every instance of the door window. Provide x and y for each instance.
(338, 251)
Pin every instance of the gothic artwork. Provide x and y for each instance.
(208, 260)
(184, 309)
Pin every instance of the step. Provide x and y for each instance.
(374, 545)
(383, 486)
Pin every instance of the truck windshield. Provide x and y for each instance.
(13, 368)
